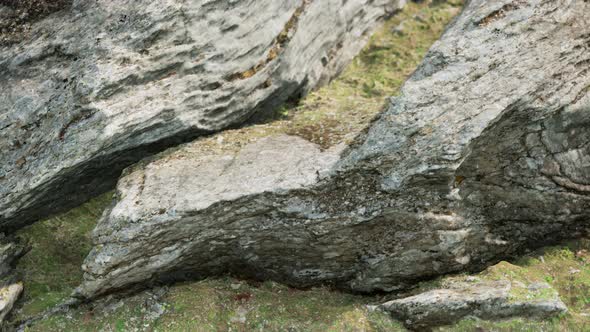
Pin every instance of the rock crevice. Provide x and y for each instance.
(94, 88)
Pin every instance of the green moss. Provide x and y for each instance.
(558, 324)
(231, 305)
(51, 270)
(227, 304)
(565, 268)
(339, 111)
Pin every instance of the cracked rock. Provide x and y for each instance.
(95, 87)
(485, 153)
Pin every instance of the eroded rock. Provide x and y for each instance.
(482, 299)
(484, 154)
(94, 88)
(11, 249)
(8, 296)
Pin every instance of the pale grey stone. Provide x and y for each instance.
(96, 87)
(483, 154)
(483, 300)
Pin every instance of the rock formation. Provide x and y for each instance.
(9, 294)
(484, 300)
(11, 250)
(484, 153)
(91, 89)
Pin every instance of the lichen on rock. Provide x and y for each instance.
(94, 88)
(481, 156)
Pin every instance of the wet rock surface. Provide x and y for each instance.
(481, 299)
(484, 154)
(95, 87)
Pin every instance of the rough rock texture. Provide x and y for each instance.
(484, 300)
(484, 153)
(11, 249)
(94, 88)
(8, 296)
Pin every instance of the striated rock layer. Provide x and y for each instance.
(486, 152)
(482, 299)
(94, 88)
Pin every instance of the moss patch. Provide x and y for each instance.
(338, 112)
(566, 268)
(223, 305)
(51, 270)
(232, 305)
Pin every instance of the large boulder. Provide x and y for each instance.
(93, 88)
(485, 153)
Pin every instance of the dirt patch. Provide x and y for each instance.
(16, 16)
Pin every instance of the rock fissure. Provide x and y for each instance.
(456, 174)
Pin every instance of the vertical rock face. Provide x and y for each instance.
(95, 87)
(484, 153)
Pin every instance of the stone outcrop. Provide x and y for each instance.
(9, 294)
(482, 299)
(11, 250)
(95, 87)
(484, 153)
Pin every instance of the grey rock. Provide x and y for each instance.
(91, 89)
(483, 155)
(11, 249)
(9, 294)
(485, 300)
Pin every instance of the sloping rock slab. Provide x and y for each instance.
(163, 192)
(485, 153)
(94, 88)
(485, 300)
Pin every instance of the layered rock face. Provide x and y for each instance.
(484, 300)
(95, 87)
(485, 153)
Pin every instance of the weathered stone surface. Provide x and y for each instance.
(11, 249)
(8, 296)
(484, 153)
(93, 88)
(484, 300)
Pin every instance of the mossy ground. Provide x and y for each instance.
(228, 304)
(566, 268)
(16, 23)
(339, 111)
(51, 270)
(331, 115)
